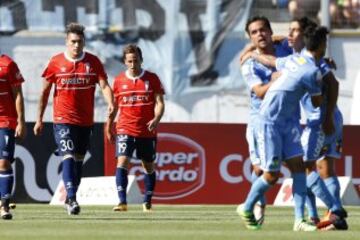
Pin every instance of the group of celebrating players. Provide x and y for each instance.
(284, 73)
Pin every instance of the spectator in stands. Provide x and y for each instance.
(300, 8)
(345, 13)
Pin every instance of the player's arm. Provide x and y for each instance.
(332, 96)
(316, 100)
(265, 59)
(20, 130)
(246, 52)
(158, 112)
(44, 97)
(261, 89)
(109, 125)
(108, 95)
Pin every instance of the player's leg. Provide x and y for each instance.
(313, 141)
(269, 146)
(66, 149)
(336, 216)
(146, 151)
(81, 144)
(327, 172)
(7, 146)
(125, 146)
(259, 210)
(293, 153)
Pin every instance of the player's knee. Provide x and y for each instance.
(271, 177)
(5, 164)
(296, 165)
(122, 162)
(149, 167)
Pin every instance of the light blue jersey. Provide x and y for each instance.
(278, 133)
(299, 75)
(255, 73)
(316, 145)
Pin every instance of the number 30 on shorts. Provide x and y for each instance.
(66, 145)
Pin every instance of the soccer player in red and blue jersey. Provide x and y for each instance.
(12, 125)
(139, 98)
(74, 73)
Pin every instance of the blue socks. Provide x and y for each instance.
(121, 177)
(333, 185)
(258, 189)
(311, 204)
(68, 167)
(262, 199)
(299, 193)
(6, 183)
(318, 187)
(78, 172)
(149, 180)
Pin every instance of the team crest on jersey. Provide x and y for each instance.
(63, 69)
(125, 87)
(87, 67)
(147, 85)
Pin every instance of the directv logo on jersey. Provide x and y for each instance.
(136, 98)
(77, 81)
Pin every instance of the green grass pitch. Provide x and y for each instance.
(170, 222)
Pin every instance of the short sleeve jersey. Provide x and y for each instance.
(75, 82)
(135, 98)
(299, 75)
(255, 73)
(315, 116)
(10, 77)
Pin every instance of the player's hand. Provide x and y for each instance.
(328, 126)
(275, 75)
(245, 57)
(331, 62)
(152, 124)
(111, 110)
(110, 135)
(38, 128)
(20, 131)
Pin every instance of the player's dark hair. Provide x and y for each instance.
(132, 48)
(258, 18)
(75, 28)
(304, 22)
(314, 37)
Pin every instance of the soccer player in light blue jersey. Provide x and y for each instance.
(278, 135)
(258, 79)
(321, 138)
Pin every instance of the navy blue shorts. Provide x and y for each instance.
(145, 147)
(7, 144)
(71, 139)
